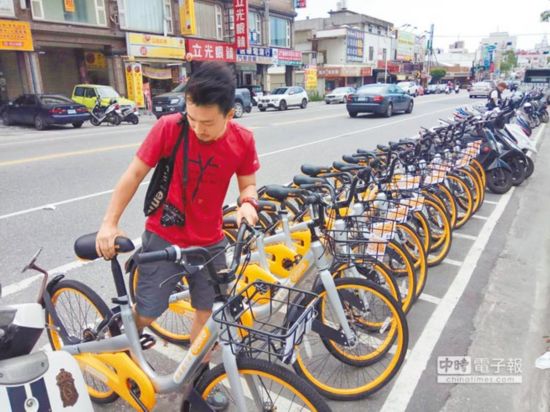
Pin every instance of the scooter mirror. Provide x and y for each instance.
(33, 261)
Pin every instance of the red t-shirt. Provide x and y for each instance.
(210, 168)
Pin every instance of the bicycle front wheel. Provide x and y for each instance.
(267, 387)
(354, 372)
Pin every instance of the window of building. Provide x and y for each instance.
(209, 20)
(255, 28)
(371, 53)
(230, 25)
(384, 52)
(145, 15)
(280, 31)
(90, 12)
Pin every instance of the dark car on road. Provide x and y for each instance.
(43, 110)
(379, 98)
(174, 101)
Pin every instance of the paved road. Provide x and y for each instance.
(55, 186)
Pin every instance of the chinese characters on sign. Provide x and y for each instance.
(134, 83)
(15, 35)
(188, 23)
(299, 4)
(311, 78)
(259, 55)
(354, 43)
(465, 369)
(150, 45)
(69, 6)
(203, 50)
(287, 57)
(328, 72)
(240, 10)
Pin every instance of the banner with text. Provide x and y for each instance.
(134, 83)
(240, 16)
(203, 50)
(188, 23)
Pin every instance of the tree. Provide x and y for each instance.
(437, 74)
(509, 61)
(545, 16)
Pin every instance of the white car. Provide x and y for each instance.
(339, 95)
(283, 97)
(411, 88)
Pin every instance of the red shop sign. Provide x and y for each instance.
(289, 55)
(204, 50)
(240, 10)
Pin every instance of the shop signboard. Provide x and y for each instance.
(366, 71)
(299, 4)
(134, 83)
(311, 78)
(150, 45)
(351, 71)
(95, 60)
(392, 67)
(204, 50)
(69, 6)
(240, 13)
(156, 73)
(329, 72)
(258, 55)
(188, 23)
(15, 35)
(405, 45)
(354, 45)
(287, 57)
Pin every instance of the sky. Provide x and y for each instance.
(468, 20)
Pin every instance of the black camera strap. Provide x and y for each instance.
(185, 132)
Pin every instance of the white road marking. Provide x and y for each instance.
(452, 262)
(480, 217)
(490, 202)
(464, 236)
(404, 386)
(430, 298)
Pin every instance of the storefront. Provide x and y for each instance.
(340, 76)
(15, 42)
(252, 65)
(161, 60)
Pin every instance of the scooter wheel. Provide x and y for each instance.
(94, 121)
(134, 120)
(529, 167)
(499, 180)
(115, 120)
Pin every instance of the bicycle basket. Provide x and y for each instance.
(436, 173)
(415, 202)
(386, 210)
(258, 326)
(405, 181)
(363, 239)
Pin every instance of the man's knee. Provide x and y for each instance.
(202, 316)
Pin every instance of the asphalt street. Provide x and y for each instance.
(488, 300)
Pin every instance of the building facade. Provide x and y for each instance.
(48, 46)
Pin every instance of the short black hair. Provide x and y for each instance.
(212, 83)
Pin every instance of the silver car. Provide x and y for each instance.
(481, 89)
(339, 95)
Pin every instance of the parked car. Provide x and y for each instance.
(481, 89)
(174, 101)
(441, 88)
(43, 110)
(256, 91)
(379, 98)
(432, 89)
(409, 87)
(283, 97)
(87, 95)
(339, 95)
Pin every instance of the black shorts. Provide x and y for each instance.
(152, 299)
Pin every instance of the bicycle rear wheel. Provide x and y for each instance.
(276, 388)
(355, 372)
(81, 310)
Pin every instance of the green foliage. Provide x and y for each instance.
(545, 16)
(509, 61)
(437, 74)
(314, 96)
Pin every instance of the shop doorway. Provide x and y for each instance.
(11, 81)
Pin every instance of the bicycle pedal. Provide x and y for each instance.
(147, 341)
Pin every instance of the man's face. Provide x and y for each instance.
(208, 122)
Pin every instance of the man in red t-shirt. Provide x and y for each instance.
(217, 149)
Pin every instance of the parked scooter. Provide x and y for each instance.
(107, 114)
(130, 114)
(457, 88)
(39, 381)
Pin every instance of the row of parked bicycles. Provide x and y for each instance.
(313, 304)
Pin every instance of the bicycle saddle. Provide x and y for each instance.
(350, 159)
(84, 246)
(345, 167)
(364, 152)
(382, 147)
(313, 171)
(280, 193)
(300, 180)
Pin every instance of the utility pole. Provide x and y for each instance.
(430, 49)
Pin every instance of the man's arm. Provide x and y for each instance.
(123, 193)
(247, 188)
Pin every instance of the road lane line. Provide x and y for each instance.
(452, 262)
(480, 217)
(490, 202)
(411, 372)
(429, 298)
(464, 236)
(62, 202)
(68, 154)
